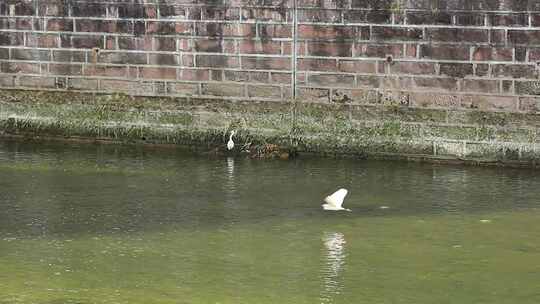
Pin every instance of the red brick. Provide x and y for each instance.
(208, 45)
(338, 49)
(127, 86)
(61, 25)
(239, 30)
(267, 31)
(326, 32)
(259, 47)
(492, 53)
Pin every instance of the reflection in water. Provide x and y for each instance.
(334, 243)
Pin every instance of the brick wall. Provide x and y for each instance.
(453, 53)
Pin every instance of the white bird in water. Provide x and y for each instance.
(334, 201)
(230, 143)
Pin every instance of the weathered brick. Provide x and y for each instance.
(497, 103)
(183, 88)
(411, 67)
(509, 19)
(319, 15)
(82, 41)
(157, 73)
(419, 17)
(470, 19)
(11, 38)
(126, 86)
(357, 66)
(480, 86)
(524, 36)
(444, 52)
(460, 70)
(338, 49)
(69, 56)
(195, 74)
(528, 87)
(514, 71)
(223, 89)
(387, 33)
(263, 91)
(379, 50)
(135, 43)
(105, 70)
(331, 80)
(4, 53)
(161, 28)
(311, 64)
(208, 45)
(30, 54)
(165, 44)
(37, 82)
(529, 104)
(326, 32)
(281, 78)
(264, 14)
(259, 47)
(82, 84)
(217, 61)
(122, 57)
(20, 67)
(104, 26)
(163, 59)
(89, 10)
(268, 31)
(65, 69)
(266, 63)
(60, 24)
(492, 53)
(458, 35)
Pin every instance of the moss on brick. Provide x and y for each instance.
(323, 128)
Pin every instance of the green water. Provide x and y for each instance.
(110, 224)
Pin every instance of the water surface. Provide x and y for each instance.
(112, 224)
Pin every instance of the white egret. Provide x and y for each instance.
(230, 143)
(334, 201)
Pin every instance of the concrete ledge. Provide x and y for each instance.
(368, 131)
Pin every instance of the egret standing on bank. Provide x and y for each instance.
(334, 201)
(230, 143)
